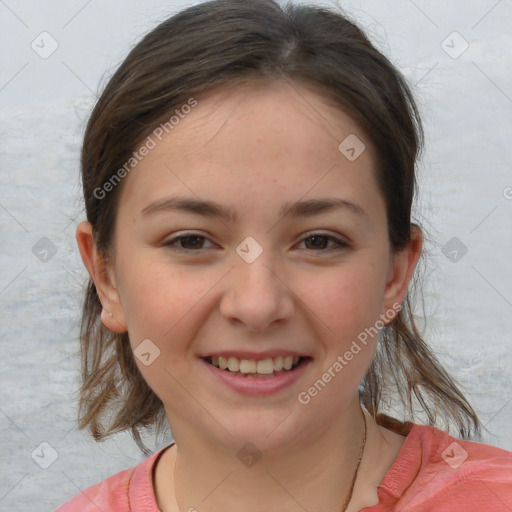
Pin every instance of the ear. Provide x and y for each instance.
(112, 316)
(400, 272)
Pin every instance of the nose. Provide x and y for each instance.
(256, 296)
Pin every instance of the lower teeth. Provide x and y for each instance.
(257, 375)
(261, 375)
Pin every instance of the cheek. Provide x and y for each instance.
(159, 302)
(347, 300)
(347, 304)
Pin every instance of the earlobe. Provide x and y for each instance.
(401, 270)
(112, 315)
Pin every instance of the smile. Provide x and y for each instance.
(262, 376)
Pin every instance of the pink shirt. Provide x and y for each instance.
(433, 472)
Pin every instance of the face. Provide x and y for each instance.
(246, 237)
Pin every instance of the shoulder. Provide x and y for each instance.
(109, 495)
(463, 459)
(449, 474)
(131, 489)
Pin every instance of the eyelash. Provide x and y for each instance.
(341, 244)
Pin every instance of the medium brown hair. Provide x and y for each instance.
(225, 42)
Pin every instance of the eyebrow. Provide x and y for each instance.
(206, 208)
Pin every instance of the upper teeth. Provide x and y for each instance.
(263, 366)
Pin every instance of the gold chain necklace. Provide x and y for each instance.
(349, 497)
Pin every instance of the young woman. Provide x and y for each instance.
(248, 176)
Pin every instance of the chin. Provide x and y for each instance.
(266, 430)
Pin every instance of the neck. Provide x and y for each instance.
(314, 473)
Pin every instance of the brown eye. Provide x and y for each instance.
(187, 243)
(320, 242)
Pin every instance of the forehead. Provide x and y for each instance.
(276, 114)
(273, 139)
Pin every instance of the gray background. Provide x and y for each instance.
(466, 195)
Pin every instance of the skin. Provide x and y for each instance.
(254, 147)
